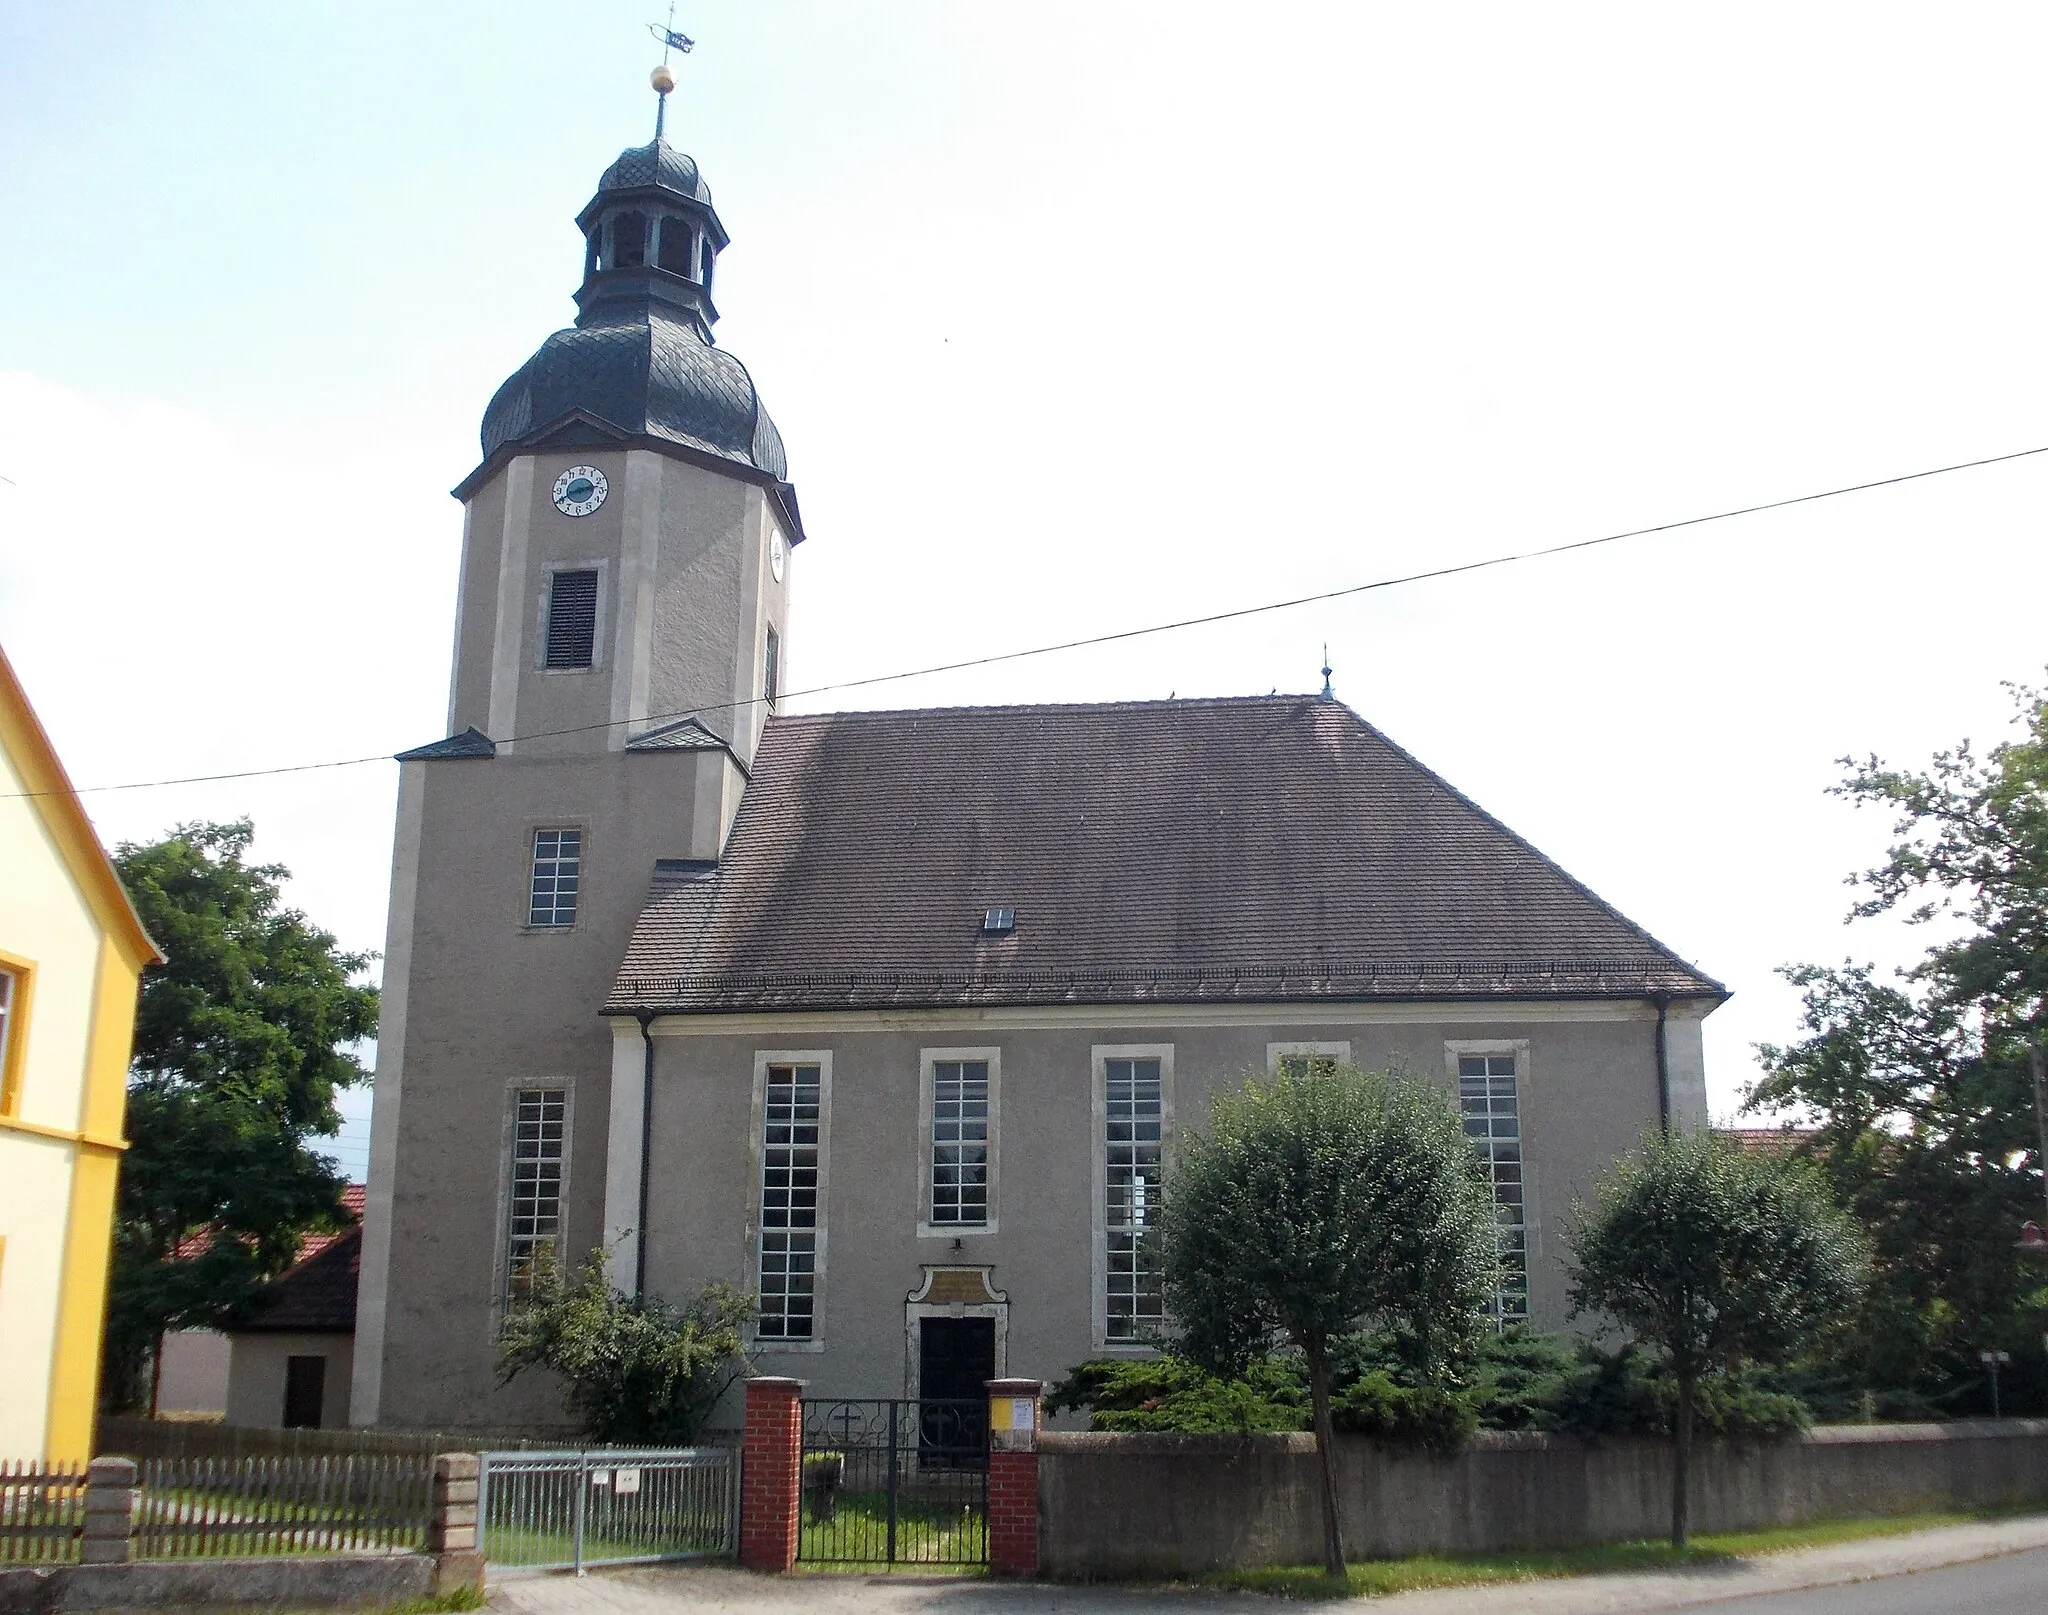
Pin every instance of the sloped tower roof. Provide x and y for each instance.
(640, 358)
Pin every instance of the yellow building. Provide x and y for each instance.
(71, 955)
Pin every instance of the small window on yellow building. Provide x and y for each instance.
(13, 1005)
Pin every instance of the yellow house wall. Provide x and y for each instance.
(55, 1192)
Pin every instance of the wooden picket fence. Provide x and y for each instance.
(42, 1512)
(222, 1507)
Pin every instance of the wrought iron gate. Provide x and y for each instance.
(895, 1482)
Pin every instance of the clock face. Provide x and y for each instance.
(580, 490)
(776, 553)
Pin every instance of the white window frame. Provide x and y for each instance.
(599, 619)
(1275, 1052)
(501, 1249)
(756, 1149)
(534, 832)
(926, 1060)
(1098, 1154)
(1531, 1221)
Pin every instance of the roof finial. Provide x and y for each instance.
(661, 78)
(1328, 693)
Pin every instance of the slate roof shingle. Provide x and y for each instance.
(1257, 850)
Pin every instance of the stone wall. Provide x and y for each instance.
(1122, 1505)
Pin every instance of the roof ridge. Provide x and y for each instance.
(1274, 698)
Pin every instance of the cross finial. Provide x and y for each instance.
(1328, 693)
(661, 78)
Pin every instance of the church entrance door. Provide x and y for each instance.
(956, 1358)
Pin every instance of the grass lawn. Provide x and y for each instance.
(930, 1536)
(1375, 1578)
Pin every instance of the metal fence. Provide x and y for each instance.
(569, 1509)
(895, 1482)
(42, 1512)
(216, 1507)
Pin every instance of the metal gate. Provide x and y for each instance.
(895, 1482)
(613, 1505)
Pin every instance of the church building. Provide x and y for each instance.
(890, 1018)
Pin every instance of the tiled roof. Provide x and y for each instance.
(648, 374)
(1266, 849)
(352, 1196)
(318, 1294)
(472, 742)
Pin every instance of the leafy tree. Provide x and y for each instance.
(635, 1370)
(241, 1041)
(1713, 1254)
(1317, 1203)
(1922, 1088)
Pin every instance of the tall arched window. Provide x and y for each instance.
(629, 241)
(678, 244)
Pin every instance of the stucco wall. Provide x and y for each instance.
(45, 924)
(684, 598)
(478, 1004)
(1119, 1505)
(256, 1376)
(194, 1375)
(1588, 1091)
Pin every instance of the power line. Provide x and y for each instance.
(1123, 633)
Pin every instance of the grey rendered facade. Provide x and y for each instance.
(1193, 889)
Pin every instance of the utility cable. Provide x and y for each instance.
(1119, 634)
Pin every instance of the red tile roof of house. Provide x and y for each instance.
(317, 1293)
(311, 1244)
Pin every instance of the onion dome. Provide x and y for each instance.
(640, 356)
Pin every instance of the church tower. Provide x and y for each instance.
(619, 643)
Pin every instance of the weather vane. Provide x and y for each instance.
(661, 78)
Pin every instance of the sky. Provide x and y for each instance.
(1078, 318)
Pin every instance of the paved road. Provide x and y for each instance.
(1992, 1568)
(2010, 1586)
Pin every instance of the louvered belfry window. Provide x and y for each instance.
(572, 619)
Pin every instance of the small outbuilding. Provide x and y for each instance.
(290, 1362)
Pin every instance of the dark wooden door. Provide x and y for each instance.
(956, 1358)
(305, 1385)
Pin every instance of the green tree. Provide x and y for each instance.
(241, 1040)
(1712, 1255)
(1922, 1087)
(635, 1370)
(1318, 1203)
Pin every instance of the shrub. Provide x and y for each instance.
(1424, 1417)
(633, 1368)
(1167, 1394)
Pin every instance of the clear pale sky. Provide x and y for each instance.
(1077, 317)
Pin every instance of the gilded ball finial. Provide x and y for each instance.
(662, 79)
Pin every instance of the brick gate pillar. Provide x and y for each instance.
(771, 1474)
(1013, 1420)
